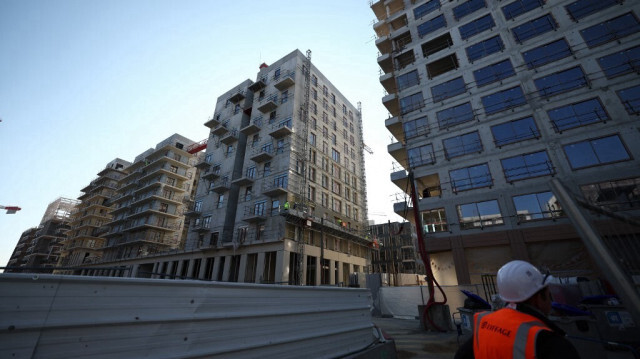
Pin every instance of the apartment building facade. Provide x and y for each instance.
(148, 206)
(281, 197)
(488, 101)
(88, 221)
(39, 248)
(395, 249)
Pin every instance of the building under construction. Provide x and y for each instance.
(39, 248)
(394, 249)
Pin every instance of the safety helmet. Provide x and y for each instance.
(519, 281)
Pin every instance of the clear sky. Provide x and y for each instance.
(85, 81)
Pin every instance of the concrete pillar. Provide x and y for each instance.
(242, 271)
(332, 272)
(203, 268)
(155, 270)
(134, 271)
(179, 269)
(304, 270)
(340, 272)
(459, 260)
(318, 271)
(190, 268)
(260, 267)
(227, 269)
(216, 268)
(169, 270)
(282, 266)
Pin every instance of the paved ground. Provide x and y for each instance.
(414, 342)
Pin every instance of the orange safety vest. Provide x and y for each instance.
(506, 333)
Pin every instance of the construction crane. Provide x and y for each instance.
(198, 146)
(367, 148)
(11, 209)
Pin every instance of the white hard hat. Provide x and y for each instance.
(519, 281)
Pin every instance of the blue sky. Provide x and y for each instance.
(85, 81)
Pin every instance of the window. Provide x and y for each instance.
(258, 208)
(335, 155)
(630, 98)
(220, 201)
(276, 74)
(492, 73)
(547, 53)
(311, 193)
(284, 96)
(312, 139)
(415, 127)
(247, 193)
(314, 80)
(325, 90)
(503, 100)
(519, 7)
(462, 145)
(476, 26)
(455, 115)
(561, 81)
(620, 63)
(432, 25)
(583, 8)
(596, 152)
(314, 94)
(533, 28)
(479, 214)
(197, 206)
(280, 181)
(325, 181)
(614, 195)
(325, 199)
(407, 80)
(280, 146)
(333, 99)
(334, 139)
(448, 89)
(267, 169)
(206, 222)
(251, 172)
(336, 187)
(275, 206)
(411, 103)
(577, 114)
(285, 123)
(527, 166)
(422, 155)
(434, 220)
(470, 177)
(312, 174)
(255, 140)
(484, 48)
(613, 29)
(426, 8)
(514, 131)
(336, 205)
(536, 206)
(467, 8)
(439, 43)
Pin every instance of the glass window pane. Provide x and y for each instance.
(476, 26)
(580, 155)
(630, 98)
(548, 53)
(467, 8)
(448, 89)
(534, 28)
(583, 8)
(609, 149)
(621, 63)
(426, 8)
(609, 30)
(455, 115)
(578, 114)
(520, 7)
(503, 100)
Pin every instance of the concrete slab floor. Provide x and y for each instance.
(412, 342)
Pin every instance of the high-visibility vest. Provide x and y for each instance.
(506, 333)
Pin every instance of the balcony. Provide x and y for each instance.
(388, 81)
(268, 104)
(279, 131)
(390, 101)
(237, 97)
(253, 214)
(285, 81)
(275, 189)
(243, 181)
(213, 121)
(203, 165)
(230, 137)
(254, 127)
(257, 86)
(221, 186)
(394, 125)
(384, 44)
(212, 173)
(221, 129)
(380, 27)
(379, 9)
(262, 155)
(386, 63)
(398, 151)
(200, 227)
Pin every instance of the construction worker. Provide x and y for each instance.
(521, 329)
(286, 205)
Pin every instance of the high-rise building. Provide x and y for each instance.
(39, 248)
(282, 191)
(395, 251)
(85, 239)
(149, 203)
(490, 100)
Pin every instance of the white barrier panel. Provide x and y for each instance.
(50, 316)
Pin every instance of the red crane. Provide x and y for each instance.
(198, 146)
(11, 209)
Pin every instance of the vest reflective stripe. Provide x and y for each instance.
(523, 337)
(506, 333)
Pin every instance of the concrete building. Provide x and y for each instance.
(282, 191)
(488, 101)
(395, 251)
(150, 200)
(85, 240)
(39, 248)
